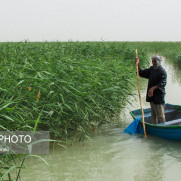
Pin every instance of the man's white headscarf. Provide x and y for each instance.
(158, 60)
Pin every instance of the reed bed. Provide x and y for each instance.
(171, 50)
(73, 87)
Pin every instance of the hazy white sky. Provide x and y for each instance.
(90, 20)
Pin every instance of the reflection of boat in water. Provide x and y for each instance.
(171, 129)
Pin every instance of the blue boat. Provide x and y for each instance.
(171, 129)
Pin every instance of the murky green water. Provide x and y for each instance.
(112, 155)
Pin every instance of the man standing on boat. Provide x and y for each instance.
(157, 79)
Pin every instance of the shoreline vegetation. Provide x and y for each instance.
(171, 50)
(76, 86)
(68, 88)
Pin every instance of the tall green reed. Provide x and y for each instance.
(81, 84)
(74, 86)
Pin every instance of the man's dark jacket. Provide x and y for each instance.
(156, 77)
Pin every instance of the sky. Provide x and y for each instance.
(90, 20)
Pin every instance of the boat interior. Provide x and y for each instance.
(172, 117)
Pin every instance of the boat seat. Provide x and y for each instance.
(173, 122)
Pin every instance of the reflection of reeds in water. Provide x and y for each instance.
(177, 74)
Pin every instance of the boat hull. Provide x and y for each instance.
(167, 132)
(171, 130)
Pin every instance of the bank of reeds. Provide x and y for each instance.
(171, 50)
(76, 86)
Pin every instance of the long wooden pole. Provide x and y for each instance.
(143, 118)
